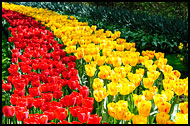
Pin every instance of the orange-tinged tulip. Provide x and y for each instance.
(153, 89)
(111, 109)
(144, 108)
(128, 116)
(88, 58)
(138, 119)
(101, 60)
(100, 94)
(164, 107)
(184, 107)
(148, 94)
(90, 70)
(97, 84)
(159, 55)
(138, 98)
(113, 88)
(162, 118)
(158, 98)
(148, 82)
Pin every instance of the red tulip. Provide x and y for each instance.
(35, 91)
(20, 92)
(84, 90)
(38, 102)
(57, 94)
(43, 119)
(75, 122)
(83, 116)
(60, 113)
(21, 114)
(22, 102)
(88, 101)
(8, 111)
(74, 110)
(31, 121)
(50, 114)
(73, 84)
(14, 98)
(94, 119)
(26, 68)
(35, 83)
(47, 96)
(7, 86)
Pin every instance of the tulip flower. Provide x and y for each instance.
(83, 116)
(181, 118)
(100, 94)
(57, 94)
(38, 102)
(164, 107)
(84, 90)
(138, 119)
(22, 114)
(8, 111)
(7, 86)
(97, 84)
(60, 113)
(148, 82)
(50, 114)
(183, 107)
(162, 118)
(144, 108)
(47, 96)
(94, 119)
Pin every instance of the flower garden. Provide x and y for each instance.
(63, 71)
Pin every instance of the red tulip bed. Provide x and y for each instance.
(46, 88)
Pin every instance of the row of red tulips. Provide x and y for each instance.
(43, 82)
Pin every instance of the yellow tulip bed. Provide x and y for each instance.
(129, 87)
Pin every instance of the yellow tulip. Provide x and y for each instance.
(111, 108)
(90, 70)
(126, 88)
(113, 88)
(169, 94)
(179, 88)
(162, 118)
(97, 84)
(101, 60)
(138, 119)
(158, 98)
(128, 116)
(148, 94)
(153, 89)
(100, 94)
(88, 58)
(140, 71)
(159, 55)
(184, 107)
(148, 82)
(138, 98)
(144, 108)
(164, 107)
(181, 118)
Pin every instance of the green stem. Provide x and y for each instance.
(102, 108)
(178, 104)
(98, 109)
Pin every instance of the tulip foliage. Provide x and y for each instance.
(66, 72)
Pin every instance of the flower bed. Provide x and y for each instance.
(127, 87)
